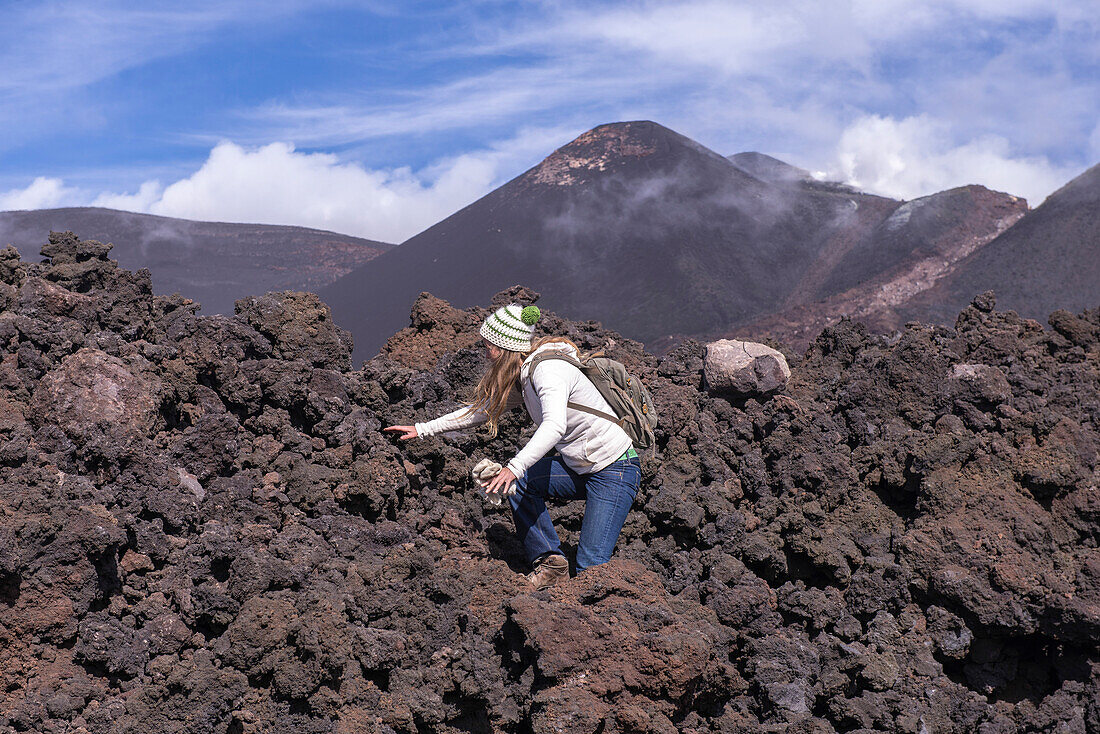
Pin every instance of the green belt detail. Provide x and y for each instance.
(630, 454)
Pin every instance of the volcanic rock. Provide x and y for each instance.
(437, 328)
(743, 368)
(904, 539)
(979, 382)
(91, 389)
(298, 324)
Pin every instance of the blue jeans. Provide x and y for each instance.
(608, 495)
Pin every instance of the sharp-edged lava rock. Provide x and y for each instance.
(657, 236)
(212, 263)
(738, 368)
(203, 529)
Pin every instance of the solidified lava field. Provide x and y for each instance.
(202, 529)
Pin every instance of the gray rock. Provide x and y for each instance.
(979, 383)
(191, 482)
(299, 326)
(91, 390)
(736, 367)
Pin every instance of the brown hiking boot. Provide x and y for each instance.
(550, 570)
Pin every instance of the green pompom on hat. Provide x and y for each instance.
(530, 315)
(510, 327)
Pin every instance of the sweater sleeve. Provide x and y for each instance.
(551, 385)
(464, 417)
(453, 421)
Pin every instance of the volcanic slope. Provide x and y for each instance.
(632, 224)
(909, 252)
(203, 530)
(1049, 260)
(213, 263)
(636, 226)
(767, 168)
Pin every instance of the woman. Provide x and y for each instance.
(595, 459)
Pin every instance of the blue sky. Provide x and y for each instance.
(379, 118)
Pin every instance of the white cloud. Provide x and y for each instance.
(147, 195)
(1004, 87)
(499, 96)
(788, 75)
(276, 184)
(42, 193)
(915, 157)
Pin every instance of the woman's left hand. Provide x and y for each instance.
(500, 482)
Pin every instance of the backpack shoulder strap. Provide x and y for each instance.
(539, 358)
(597, 413)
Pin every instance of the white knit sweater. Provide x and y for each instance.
(587, 443)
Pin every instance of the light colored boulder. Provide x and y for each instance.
(190, 481)
(91, 389)
(979, 383)
(743, 368)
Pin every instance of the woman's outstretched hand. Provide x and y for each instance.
(500, 482)
(407, 432)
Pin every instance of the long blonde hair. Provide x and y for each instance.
(502, 377)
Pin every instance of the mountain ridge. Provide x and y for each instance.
(213, 263)
(1049, 260)
(636, 226)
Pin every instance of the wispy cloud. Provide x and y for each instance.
(63, 45)
(53, 54)
(500, 96)
(787, 77)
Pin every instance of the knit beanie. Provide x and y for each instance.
(510, 327)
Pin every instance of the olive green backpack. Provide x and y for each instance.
(624, 392)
